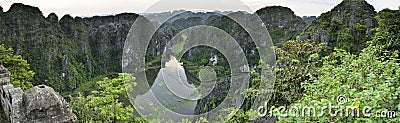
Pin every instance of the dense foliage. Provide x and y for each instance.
(297, 62)
(347, 26)
(66, 52)
(21, 75)
(368, 80)
(108, 104)
(388, 33)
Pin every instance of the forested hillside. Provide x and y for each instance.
(347, 26)
(351, 51)
(68, 51)
(72, 50)
(282, 23)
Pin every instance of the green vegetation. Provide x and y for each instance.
(351, 51)
(347, 26)
(179, 47)
(282, 23)
(66, 52)
(369, 79)
(109, 103)
(388, 32)
(296, 63)
(21, 75)
(366, 80)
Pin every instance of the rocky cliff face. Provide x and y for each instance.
(38, 104)
(73, 50)
(69, 50)
(347, 26)
(309, 19)
(282, 23)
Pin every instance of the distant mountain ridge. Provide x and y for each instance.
(72, 50)
(65, 52)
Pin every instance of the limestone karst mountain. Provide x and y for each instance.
(282, 23)
(347, 26)
(68, 51)
(65, 52)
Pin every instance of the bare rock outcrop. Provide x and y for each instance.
(38, 104)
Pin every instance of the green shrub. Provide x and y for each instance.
(365, 80)
(111, 104)
(21, 75)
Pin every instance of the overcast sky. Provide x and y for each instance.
(106, 7)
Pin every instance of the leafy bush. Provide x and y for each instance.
(366, 80)
(21, 75)
(109, 105)
(388, 32)
(296, 62)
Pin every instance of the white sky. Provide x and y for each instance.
(105, 7)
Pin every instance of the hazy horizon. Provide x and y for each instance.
(90, 8)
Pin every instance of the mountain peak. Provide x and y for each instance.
(1, 10)
(357, 9)
(355, 4)
(66, 17)
(19, 7)
(282, 23)
(52, 17)
(346, 22)
(276, 8)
